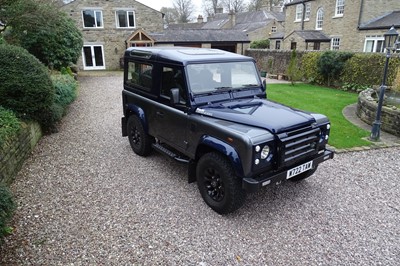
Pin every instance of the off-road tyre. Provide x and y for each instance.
(139, 140)
(220, 188)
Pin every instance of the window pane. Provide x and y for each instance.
(98, 55)
(99, 19)
(121, 19)
(88, 18)
(131, 19)
(379, 47)
(88, 56)
(369, 46)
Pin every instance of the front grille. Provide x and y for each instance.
(298, 145)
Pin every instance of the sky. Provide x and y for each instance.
(158, 4)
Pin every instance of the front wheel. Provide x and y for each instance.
(139, 140)
(218, 185)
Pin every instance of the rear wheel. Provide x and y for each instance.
(220, 188)
(139, 140)
(304, 175)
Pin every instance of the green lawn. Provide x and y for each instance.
(329, 102)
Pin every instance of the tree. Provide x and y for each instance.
(236, 6)
(210, 7)
(255, 5)
(52, 37)
(184, 9)
(293, 70)
(170, 15)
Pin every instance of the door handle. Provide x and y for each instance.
(160, 114)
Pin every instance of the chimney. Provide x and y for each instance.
(232, 18)
(200, 19)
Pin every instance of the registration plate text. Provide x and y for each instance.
(299, 169)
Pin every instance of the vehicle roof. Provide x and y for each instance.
(183, 55)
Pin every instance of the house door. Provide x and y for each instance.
(93, 57)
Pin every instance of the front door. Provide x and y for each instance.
(93, 57)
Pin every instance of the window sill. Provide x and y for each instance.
(337, 16)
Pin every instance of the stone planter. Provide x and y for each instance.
(366, 111)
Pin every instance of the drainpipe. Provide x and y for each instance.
(303, 15)
(360, 14)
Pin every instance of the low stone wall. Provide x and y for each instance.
(366, 111)
(14, 153)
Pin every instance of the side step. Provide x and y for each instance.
(160, 148)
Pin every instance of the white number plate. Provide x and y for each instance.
(299, 169)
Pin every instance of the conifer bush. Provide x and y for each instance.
(26, 87)
(7, 207)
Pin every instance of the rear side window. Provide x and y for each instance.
(140, 75)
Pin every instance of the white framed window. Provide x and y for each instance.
(125, 19)
(273, 29)
(308, 11)
(320, 19)
(339, 10)
(92, 18)
(374, 44)
(335, 43)
(299, 12)
(93, 57)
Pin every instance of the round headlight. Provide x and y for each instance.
(265, 152)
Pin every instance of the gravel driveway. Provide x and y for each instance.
(86, 199)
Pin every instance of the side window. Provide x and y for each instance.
(173, 78)
(92, 18)
(140, 74)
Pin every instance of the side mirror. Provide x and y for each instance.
(174, 96)
(265, 87)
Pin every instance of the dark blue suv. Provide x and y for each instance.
(208, 108)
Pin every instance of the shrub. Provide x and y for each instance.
(331, 63)
(9, 125)
(261, 44)
(7, 207)
(310, 69)
(65, 93)
(26, 86)
(367, 69)
(396, 81)
(293, 70)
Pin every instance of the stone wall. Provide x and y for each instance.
(366, 111)
(14, 153)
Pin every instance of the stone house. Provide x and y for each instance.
(108, 28)
(351, 25)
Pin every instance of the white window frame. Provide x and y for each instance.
(127, 13)
(299, 12)
(335, 43)
(320, 19)
(308, 11)
(94, 67)
(339, 8)
(375, 40)
(97, 19)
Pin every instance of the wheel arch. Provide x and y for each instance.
(211, 144)
(133, 109)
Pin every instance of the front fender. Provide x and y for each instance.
(227, 150)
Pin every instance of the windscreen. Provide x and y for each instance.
(214, 77)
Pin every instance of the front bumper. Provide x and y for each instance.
(252, 184)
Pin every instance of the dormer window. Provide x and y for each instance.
(339, 10)
(92, 18)
(125, 18)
